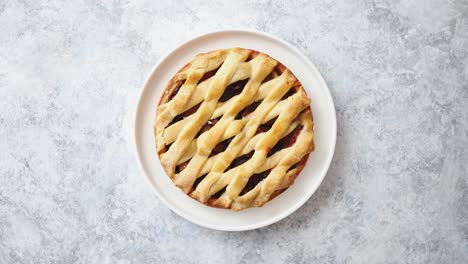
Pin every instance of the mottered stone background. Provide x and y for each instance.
(70, 189)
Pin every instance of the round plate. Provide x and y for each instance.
(307, 181)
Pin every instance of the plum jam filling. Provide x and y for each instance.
(286, 141)
(221, 146)
(218, 194)
(185, 114)
(208, 75)
(198, 180)
(176, 90)
(253, 181)
(273, 74)
(176, 119)
(247, 110)
(251, 56)
(270, 76)
(190, 111)
(289, 93)
(293, 167)
(240, 160)
(207, 126)
(181, 166)
(233, 90)
(265, 127)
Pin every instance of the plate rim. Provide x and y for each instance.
(138, 107)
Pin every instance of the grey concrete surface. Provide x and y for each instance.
(70, 189)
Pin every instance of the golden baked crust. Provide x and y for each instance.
(233, 128)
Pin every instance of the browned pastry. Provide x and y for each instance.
(233, 128)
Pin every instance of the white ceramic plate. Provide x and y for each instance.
(307, 181)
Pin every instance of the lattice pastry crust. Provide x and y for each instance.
(233, 128)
